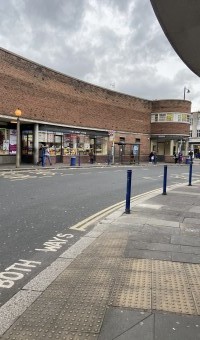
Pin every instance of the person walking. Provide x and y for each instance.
(175, 158)
(151, 157)
(180, 158)
(47, 155)
(41, 155)
(91, 155)
(154, 158)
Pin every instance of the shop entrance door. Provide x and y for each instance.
(58, 148)
(27, 146)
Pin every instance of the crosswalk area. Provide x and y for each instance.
(45, 173)
(21, 175)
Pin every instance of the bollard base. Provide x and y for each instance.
(164, 193)
(127, 211)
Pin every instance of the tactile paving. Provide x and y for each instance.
(196, 295)
(81, 318)
(167, 266)
(104, 251)
(193, 271)
(134, 279)
(116, 234)
(140, 265)
(110, 263)
(175, 281)
(131, 297)
(114, 242)
(179, 301)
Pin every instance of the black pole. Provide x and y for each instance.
(79, 158)
(128, 191)
(190, 174)
(165, 180)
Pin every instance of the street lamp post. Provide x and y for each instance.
(18, 113)
(185, 91)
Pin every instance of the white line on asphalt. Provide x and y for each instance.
(67, 174)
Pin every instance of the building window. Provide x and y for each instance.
(169, 117)
(190, 133)
(154, 118)
(162, 117)
(179, 118)
(198, 133)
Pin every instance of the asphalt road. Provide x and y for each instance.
(38, 208)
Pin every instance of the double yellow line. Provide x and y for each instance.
(84, 224)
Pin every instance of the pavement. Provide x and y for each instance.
(131, 277)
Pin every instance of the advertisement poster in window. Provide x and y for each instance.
(13, 142)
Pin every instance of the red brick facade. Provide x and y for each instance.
(45, 95)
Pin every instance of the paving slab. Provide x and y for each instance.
(183, 257)
(185, 240)
(119, 321)
(176, 327)
(147, 254)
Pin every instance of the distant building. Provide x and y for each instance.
(74, 117)
(194, 140)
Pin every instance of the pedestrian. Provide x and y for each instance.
(191, 156)
(91, 155)
(175, 158)
(151, 157)
(154, 158)
(180, 157)
(41, 155)
(47, 155)
(132, 158)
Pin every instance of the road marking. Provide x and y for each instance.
(13, 273)
(67, 174)
(84, 224)
(56, 243)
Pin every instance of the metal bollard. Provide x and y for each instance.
(190, 174)
(165, 180)
(128, 191)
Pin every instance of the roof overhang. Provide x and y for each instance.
(181, 24)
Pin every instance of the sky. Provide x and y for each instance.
(115, 44)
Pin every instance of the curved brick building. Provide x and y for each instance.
(73, 117)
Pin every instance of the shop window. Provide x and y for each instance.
(8, 141)
(198, 133)
(190, 133)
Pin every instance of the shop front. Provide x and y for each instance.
(166, 146)
(63, 143)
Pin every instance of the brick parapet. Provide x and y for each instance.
(44, 94)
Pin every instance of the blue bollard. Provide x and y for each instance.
(128, 191)
(190, 174)
(165, 180)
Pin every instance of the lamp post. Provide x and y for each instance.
(18, 114)
(185, 91)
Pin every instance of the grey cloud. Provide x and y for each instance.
(54, 33)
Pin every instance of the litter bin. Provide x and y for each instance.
(73, 161)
